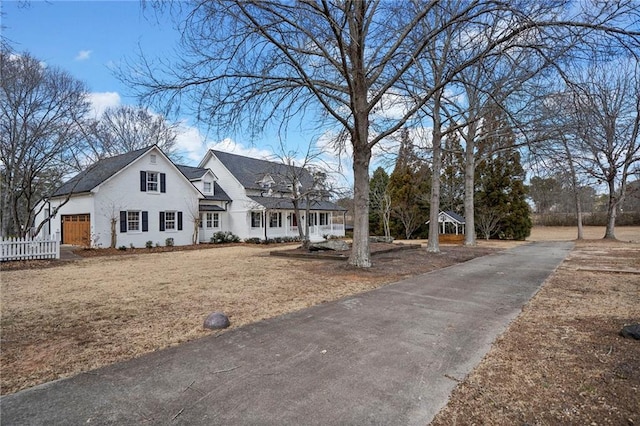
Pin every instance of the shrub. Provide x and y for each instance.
(123, 248)
(254, 240)
(132, 246)
(168, 242)
(149, 244)
(222, 237)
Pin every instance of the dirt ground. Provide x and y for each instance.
(560, 362)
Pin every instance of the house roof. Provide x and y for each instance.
(210, 208)
(455, 216)
(192, 173)
(218, 194)
(195, 173)
(99, 172)
(250, 171)
(284, 203)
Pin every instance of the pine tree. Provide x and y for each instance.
(378, 189)
(500, 189)
(452, 177)
(409, 187)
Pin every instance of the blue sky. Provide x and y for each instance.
(90, 38)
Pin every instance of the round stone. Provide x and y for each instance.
(216, 321)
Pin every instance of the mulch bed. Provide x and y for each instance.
(376, 249)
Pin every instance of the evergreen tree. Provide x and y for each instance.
(378, 189)
(409, 187)
(452, 177)
(500, 189)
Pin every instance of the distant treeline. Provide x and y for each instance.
(588, 219)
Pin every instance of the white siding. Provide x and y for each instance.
(122, 192)
(238, 220)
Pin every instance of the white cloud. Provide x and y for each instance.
(83, 55)
(229, 145)
(191, 143)
(100, 101)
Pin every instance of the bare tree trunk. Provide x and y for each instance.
(114, 235)
(360, 255)
(611, 212)
(433, 244)
(469, 187)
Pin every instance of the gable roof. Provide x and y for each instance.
(192, 173)
(250, 171)
(195, 173)
(455, 216)
(99, 172)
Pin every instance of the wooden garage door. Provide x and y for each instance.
(76, 229)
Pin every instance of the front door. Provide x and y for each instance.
(76, 229)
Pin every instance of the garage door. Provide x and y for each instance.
(76, 229)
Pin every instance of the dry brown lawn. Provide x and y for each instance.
(58, 321)
(560, 362)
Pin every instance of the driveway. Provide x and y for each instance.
(388, 356)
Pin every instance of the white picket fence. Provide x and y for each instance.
(29, 249)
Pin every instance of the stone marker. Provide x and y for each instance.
(632, 331)
(216, 320)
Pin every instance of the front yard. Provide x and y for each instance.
(78, 316)
(560, 362)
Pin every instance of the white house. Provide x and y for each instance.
(262, 205)
(142, 196)
(136, 197)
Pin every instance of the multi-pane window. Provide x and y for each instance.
(152, 181)
(133, 221)
(208, 188)
(324, 218)
(256, 219)
(275, 220)
(213, 220)
(170, 221)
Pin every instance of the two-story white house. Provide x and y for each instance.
(262, 192)
(142, 197)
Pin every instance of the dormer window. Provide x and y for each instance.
(208, 188)
(266, 182)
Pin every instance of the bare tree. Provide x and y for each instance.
(246, 63)
(488, 221)
(303, 181)
(41, 108)
(126, 128)
(606, 110)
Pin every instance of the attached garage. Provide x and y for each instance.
(76, 229)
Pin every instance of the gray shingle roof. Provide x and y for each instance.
(249, 171)
(193, 173)
(277, 203)
(97, 173)
(218, 194)
(455, 216)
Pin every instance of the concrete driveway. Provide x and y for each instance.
(389, 356)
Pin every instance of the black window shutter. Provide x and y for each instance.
(162, 221)
(163, 182)
(145, 221)
(123, 221)
(143, 181)
(179, 221)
